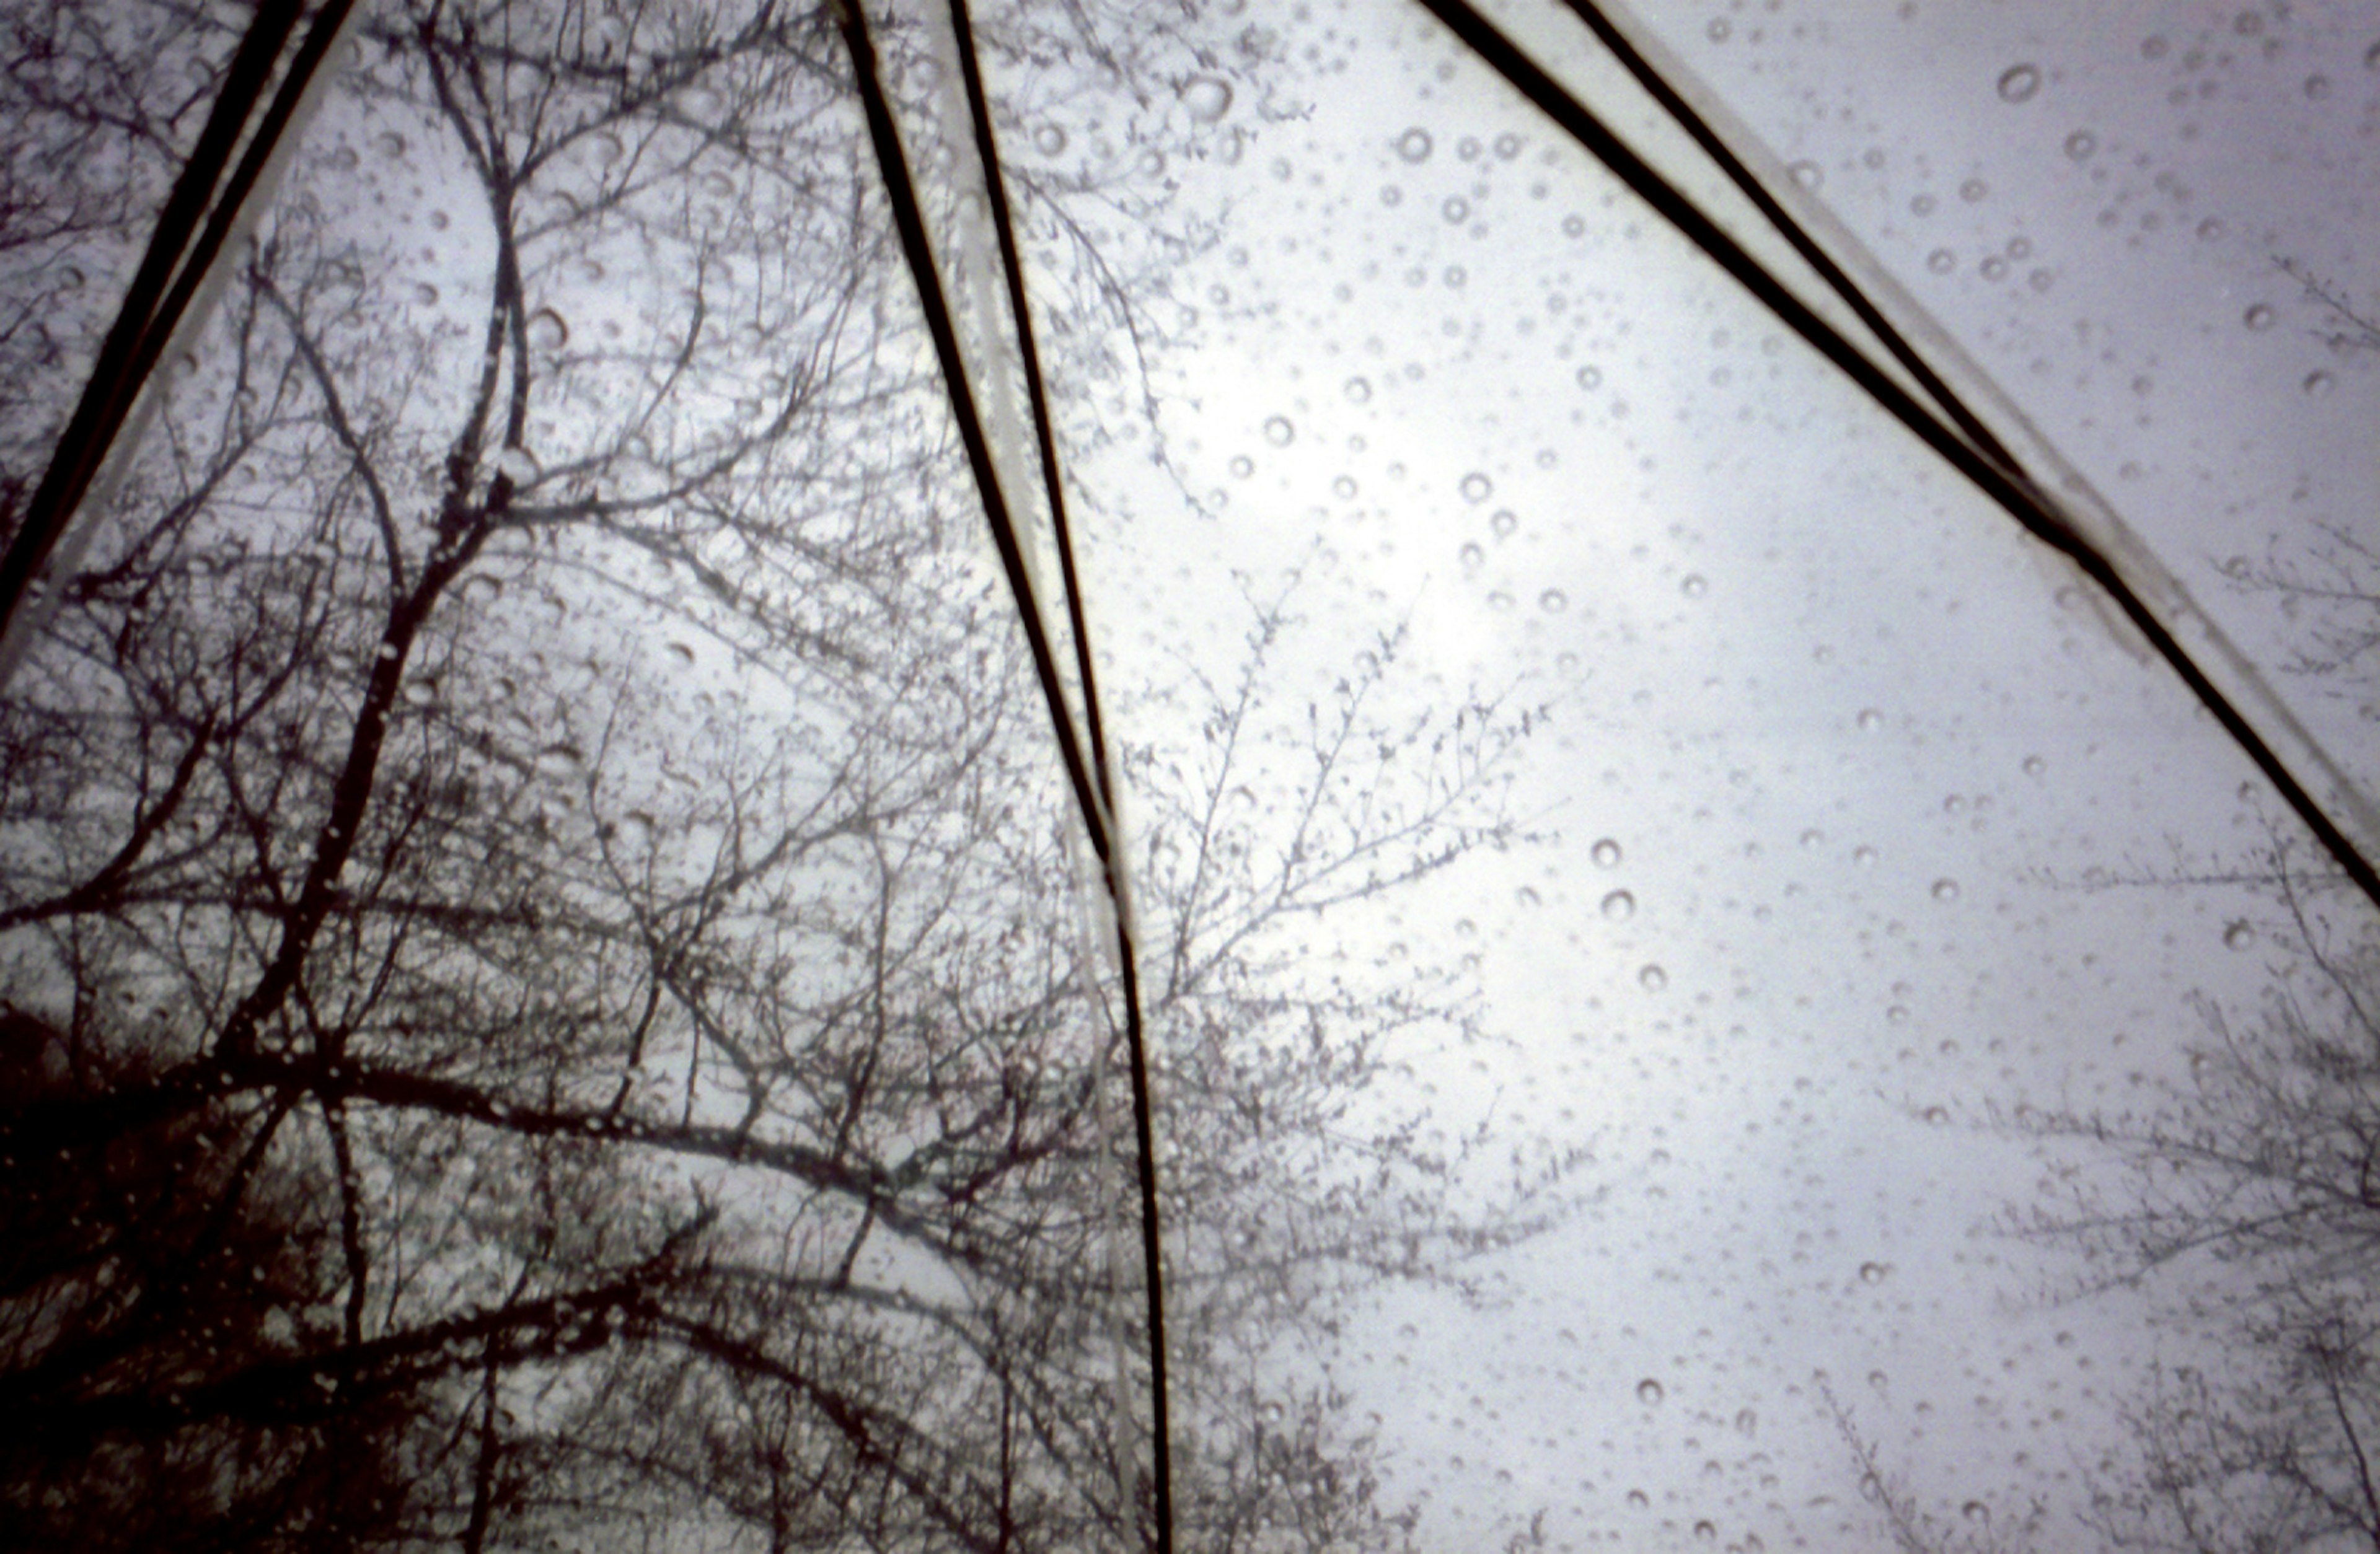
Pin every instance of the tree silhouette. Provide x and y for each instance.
(532, 811)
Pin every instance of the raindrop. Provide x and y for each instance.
(2080, 144)
(1553, 601)
(2258, 318)
(2155, 47)
(1706, 1530)
(2317, 87)
(1694, 586)
(1244, 467)
(1653, 978)
(389, 143)
(2019, 82)
(2210, 229)
(1456, 210)
(1508, 147)
(1605, 853)
(1941, 261)
(1475, 487)
(2318, 385)
(2238, 935)
(1359, 391)
(1649, 1392)
(2035, 765)
(1975, 1511)
(71, 278)
(1471, 555)
(1590, 377)
(1874, 1273)
(1344, 488)
(1946, 890)
(608, 149)
(546, 331)
(1620, 905)
(1864, 855)
(1573, 226)
(1279, 432)
(1746, 1421)
(1504, 523)
(1413, 145)
(1993, 268)
(1808, 174)
(1921, 204)
(1207, 97)
(426, 294)
(2019, 248)
(1637, 1499)
(1718, 31)
(1870, 719)
(1049, 140)
(517, 464)
(1973, 189)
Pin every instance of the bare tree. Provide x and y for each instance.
(532, 805)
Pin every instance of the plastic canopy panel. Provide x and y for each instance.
(1691, 985)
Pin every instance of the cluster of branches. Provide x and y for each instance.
(2246, 1206)
(544, 996)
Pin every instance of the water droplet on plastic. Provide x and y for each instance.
(1693, 586)
(1874, 1273)
(1475, 487)
(1049, 140)
(2080, 144)
(2238, 935)
(517, 464)
(1504, 523)
(2318, 384)
(1553, 601)
(2035, 765)
(1413, 145)
(1605, 853)
(389, 143)
(426, 294)
(1471, 555)
(1946, 890)
(1653, 978)
(2258, 318)
(1344, 488)
(1973, 189)
(1507, 147)
(1590, 378)
(1637, 1499)
(1870, 719)
(1208, 98)
(1807, 175)
(1573, 226)
(1243, 467)
(1620, 905)
(2317, 87)
(1456, 210)
(1941, 261)
(546, 331)
(2019, 82)
(1975, 1511)
(1279, 432)
(2210, 229)
(1359, 391)
(1649, 1392)
(1720, 30)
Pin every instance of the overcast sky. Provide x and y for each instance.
(1863, 751)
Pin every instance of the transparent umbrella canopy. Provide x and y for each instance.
(1121, 776)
